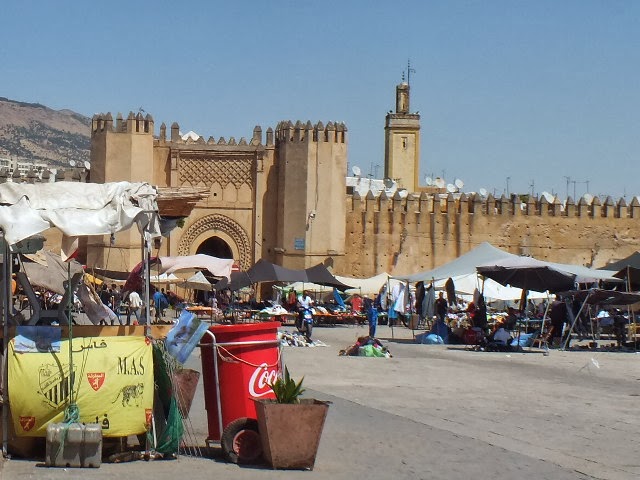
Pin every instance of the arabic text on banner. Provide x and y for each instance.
(112, 384)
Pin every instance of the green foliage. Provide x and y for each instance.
(286, 389)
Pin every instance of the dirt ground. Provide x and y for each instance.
(438, 412)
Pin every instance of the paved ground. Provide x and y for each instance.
(438, 412)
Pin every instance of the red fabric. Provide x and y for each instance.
(356, 304)
(134, 282)
(472, 337)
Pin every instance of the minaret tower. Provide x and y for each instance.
(402, 141)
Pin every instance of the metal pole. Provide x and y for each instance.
(146, 279)
(6, 275)
(566, 342)
(217, 382)
(70, 332)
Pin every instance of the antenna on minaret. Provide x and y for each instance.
(409, 70)
(403, 76)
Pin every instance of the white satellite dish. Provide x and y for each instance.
(428, 181)
(483, 192)
(72, 163)
(458, 183)
(451, 188)
(356, 170)
(87, 165)
(439, 182)
(588, 198)
(550, 198)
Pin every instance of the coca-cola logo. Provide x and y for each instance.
(260, 380)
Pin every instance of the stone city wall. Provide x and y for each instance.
(403, 236)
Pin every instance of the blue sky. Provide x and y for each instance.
(532, 92)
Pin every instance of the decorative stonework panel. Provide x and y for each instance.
(218, 223)
(197, 171)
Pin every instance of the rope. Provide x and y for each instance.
(240, 360)
(71, 414)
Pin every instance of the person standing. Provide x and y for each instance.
(135, 304)
(440, 328)
(116, 300)
(442, 306)
(372, 315)
(160, 303)
(558, 317)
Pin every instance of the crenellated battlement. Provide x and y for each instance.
(74, 174)
(404, 234)
(135, 123)
(287, 132)
(428, 203)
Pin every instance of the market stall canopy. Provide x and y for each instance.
(465, 264)
(321, 275)
(362, 286)
(626, 269)
(264, 271)
(632, 260)
(163, 279)
(77, 209)
(219, 267)
(108, 274)
(465, 286)
(196, 282)
(529, 274)
(596, 296)
(585, 274)
(49, 271)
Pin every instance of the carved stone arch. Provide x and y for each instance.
(223, 224)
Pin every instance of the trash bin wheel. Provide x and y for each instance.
(241, 441)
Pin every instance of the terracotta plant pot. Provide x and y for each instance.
(290, 433)
(185, 381)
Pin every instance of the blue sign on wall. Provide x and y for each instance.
(298, 243)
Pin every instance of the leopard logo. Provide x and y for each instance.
(130, 393)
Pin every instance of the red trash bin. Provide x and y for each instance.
(238, 365)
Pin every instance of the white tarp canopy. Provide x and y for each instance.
(77, 209)
(163, 278)
(364, 286)
(492, 290)
(196, 282)
(219, 267)
(463, 265)
(487, 254)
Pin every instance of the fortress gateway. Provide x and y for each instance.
(281, 195)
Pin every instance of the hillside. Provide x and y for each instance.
(34, 132)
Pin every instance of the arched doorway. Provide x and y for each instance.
(216, 247)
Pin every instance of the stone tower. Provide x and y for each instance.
(312, 163)
(402, 142)
(120, 152)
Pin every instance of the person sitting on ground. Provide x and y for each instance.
(501, 336)
(511, 319)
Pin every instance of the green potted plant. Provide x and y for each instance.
(290, 427)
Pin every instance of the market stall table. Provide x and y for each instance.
(200, 310)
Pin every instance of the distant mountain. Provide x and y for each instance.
(33, 132)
